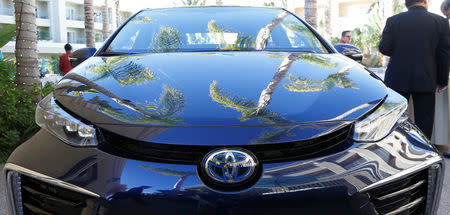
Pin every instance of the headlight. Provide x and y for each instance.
(380, 123)
(52, 118)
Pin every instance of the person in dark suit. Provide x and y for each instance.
(417, 43)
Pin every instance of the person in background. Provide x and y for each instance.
(442, 120)
(417, 43)
(64, 63)
(346, 37)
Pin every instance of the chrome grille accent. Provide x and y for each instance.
(42, 198)
(405, 196)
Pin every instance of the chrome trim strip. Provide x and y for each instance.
(48, 179)
(10, 193)
(403, 173)
(438, 188)
(407, 206)
(404, 190)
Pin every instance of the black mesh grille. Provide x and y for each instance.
(266, 153)
(44, 199)
(405, 196)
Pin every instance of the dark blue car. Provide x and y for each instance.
(222, 110)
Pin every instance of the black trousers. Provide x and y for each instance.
(423, 110)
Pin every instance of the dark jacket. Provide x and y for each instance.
(417, 42)
(64, 63)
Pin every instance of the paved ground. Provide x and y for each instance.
(444, 208)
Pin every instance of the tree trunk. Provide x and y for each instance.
(202, 2)
(284, 4)
(27, 66)
(89, 23)
(328, 20)
(117, 14)
(311, 12)
(105, 21)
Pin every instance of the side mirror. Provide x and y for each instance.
(350, 51)
(81, 55)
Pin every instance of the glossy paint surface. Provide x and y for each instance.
(219, 94)
(138, 187)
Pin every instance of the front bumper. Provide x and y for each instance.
(89, 181)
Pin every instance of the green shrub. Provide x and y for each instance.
(53, 64)
(17, 109)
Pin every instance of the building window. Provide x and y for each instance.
(43, 34)
(70, 13)
(71, 37)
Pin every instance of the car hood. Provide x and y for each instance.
(221, 97)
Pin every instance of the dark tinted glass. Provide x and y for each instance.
(214, 29)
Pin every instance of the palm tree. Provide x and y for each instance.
(105, 21)
(328, 19)
(26, 44)
(117, 14)
(190, 2)
(311, 12)
(89, 22)
(284, 4)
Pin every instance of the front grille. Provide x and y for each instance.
(40, 198)
(190, 154)
(402, 197)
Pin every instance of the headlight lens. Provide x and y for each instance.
(52, 118)
(380, 123)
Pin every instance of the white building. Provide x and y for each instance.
(60, 22)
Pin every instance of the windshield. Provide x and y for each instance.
(214, 29)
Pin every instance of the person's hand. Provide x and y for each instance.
(441, 89)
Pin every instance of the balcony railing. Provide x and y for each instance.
(42, 16)
(77, 41)
(7, 11)
(76, 17)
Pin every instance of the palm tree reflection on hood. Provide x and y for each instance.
(338, 79)
(182, 175)
(171, 101)
(264, 33)
(243, 42)
(168, 39)
(266, 94)
(123, 69)
(249, 110)
(258, 110)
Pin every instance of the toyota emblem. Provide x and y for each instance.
(230, 166)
